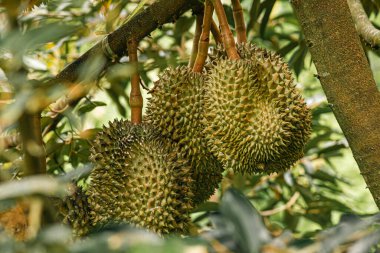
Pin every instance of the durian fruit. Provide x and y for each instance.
(139, 179)
(176, 109)
(256, 119)
(76, 212)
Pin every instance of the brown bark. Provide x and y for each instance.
(157, 14)
(227, 36)
(239, 21)
(135, 98)
(346, 79)
(197, 35)
(204, 38)
(365, 28)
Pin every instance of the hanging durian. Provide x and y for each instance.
(175, 108)
(256, 119)
(76, 212)
(140, 179)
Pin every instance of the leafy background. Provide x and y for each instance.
(296, 210)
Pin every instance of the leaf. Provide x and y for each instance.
(333, 237)
(207, 207)
(89, 106)
(268, 5)
(249, 228)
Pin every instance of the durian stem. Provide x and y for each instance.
(216, 33)
(135, 98)
(197, 35)
(205, 37)
(227, 36)
(239, 21)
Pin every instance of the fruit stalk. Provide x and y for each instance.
(239, 21)
(205, 37)
(135, 98)
(216, 33)
(197, 35)
(228, 38)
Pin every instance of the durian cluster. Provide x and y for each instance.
(246, 115)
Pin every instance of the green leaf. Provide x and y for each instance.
(249, 228)
(89, 106)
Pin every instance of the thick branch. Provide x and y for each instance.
(205, 37)
(347, 80)
(135, 98)
(239, 21)
(140, 26)
(365, 28)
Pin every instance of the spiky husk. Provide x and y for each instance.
(140, 179)
(175, 108)
(76, 212)
(256, 119)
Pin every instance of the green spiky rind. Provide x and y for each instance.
(140, 179)
(257, 120)
(176, 109)
(76, 212)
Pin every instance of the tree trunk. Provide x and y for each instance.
(346, 79)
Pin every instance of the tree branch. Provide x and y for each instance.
(346, 79)
(365, 28)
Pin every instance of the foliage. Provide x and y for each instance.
(294, 211)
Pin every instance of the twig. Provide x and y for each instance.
(365, 28)
(197, 35)
(239, 21)
(228, 38)
(291, 202)
(135, 98)
(205, 37)
(31, 137)
(216, 33)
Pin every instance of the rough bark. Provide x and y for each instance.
(346, 79)
(365, 28)
(157, 14)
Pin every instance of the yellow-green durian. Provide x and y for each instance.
(256, 119)
(176, 109)
(140, 179)
(76, 212)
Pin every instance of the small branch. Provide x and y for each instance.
(135, 98)
(239, 21)
(205, 37)
(216, 33)
(364, 27)
(288, 205)
(227, 36)
(33, 146)
(197, 35)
